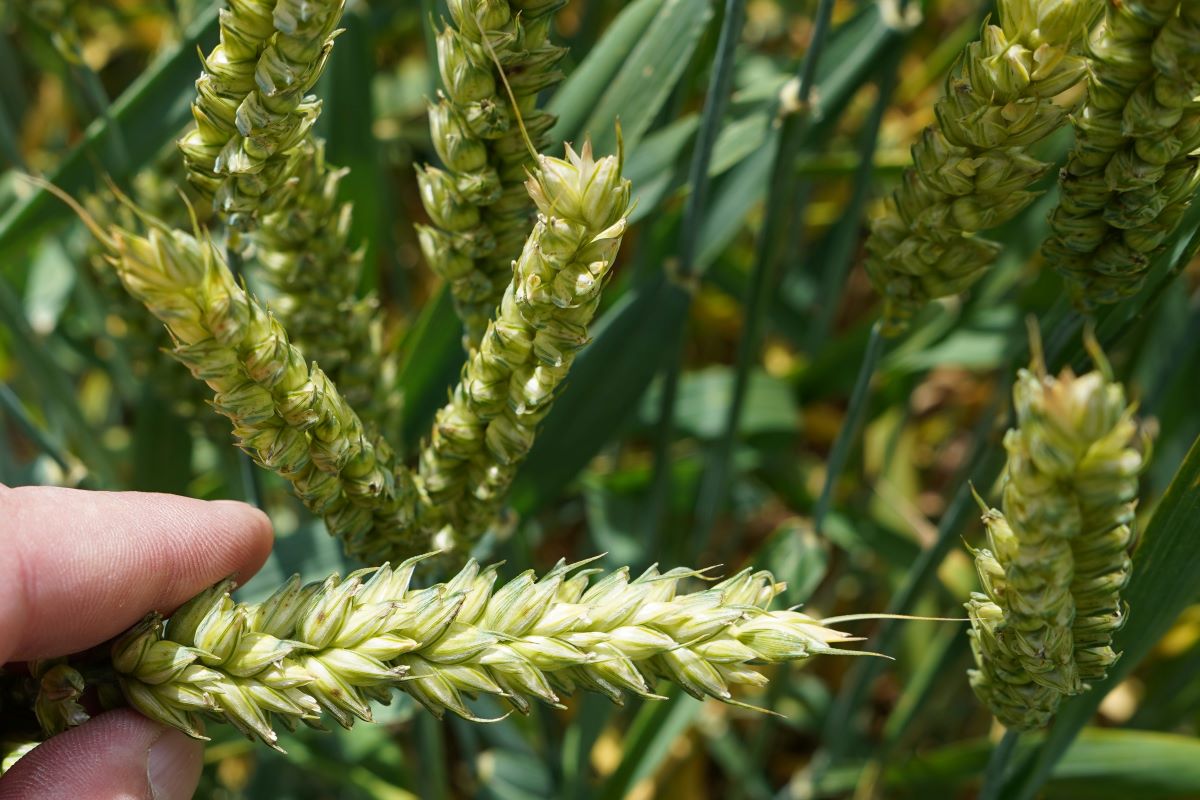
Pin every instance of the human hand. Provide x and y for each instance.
(76, 569)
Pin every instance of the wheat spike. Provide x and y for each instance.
(478, 206)
(334, 646)
(1135, 166)
(1058, 555)
(972, 170)
(483, 434)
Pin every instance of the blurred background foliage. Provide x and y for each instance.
(753, 312)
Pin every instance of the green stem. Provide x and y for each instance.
(780, 195)
(715, 100)
(845, 238)
(997, 766)
(848, 433)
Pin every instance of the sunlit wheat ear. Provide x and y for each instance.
(334, 646)
(285, 412)
(973, 170)
(1135, 166)
(252, 106)
(1058, 555)
(509, 383)
(477, 204)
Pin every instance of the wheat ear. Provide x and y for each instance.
(336, 645)
(252, 108)
(507, 386)
(973, 170)
(1058, 555)
(1136, 162)
(478, 207)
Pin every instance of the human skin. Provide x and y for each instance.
(78, 568)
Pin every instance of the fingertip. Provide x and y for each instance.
(116, 754)
(256, 533)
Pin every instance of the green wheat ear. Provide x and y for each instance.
(252, 109)
(334, 646)
(509, 383)
(286, 414)
(1058, 555)
(1135, 166)
(972, 170)
(494, 60)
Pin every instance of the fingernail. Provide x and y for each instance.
(173, 766)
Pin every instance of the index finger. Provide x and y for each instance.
(78, 567)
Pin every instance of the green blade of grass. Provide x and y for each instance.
(649, 740)
(780, 209)
(578, 96)
(1166, 579)
(11, 406)
(430, 356)
(1100, 765)
(55, 391)
(648, 74)
(598, 399)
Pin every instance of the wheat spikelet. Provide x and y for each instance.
(334, 646)
(972, 171)
(1134, 169)
(509, 383)
(478, 206)
(1058, 555)
(141, 336)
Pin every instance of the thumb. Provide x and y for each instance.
(119, 754)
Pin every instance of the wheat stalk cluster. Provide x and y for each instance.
(255, 280)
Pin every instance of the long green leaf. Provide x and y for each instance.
(578, 95)
(1100, 765)
(147, 115)
(638, 91)
(431, 354)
